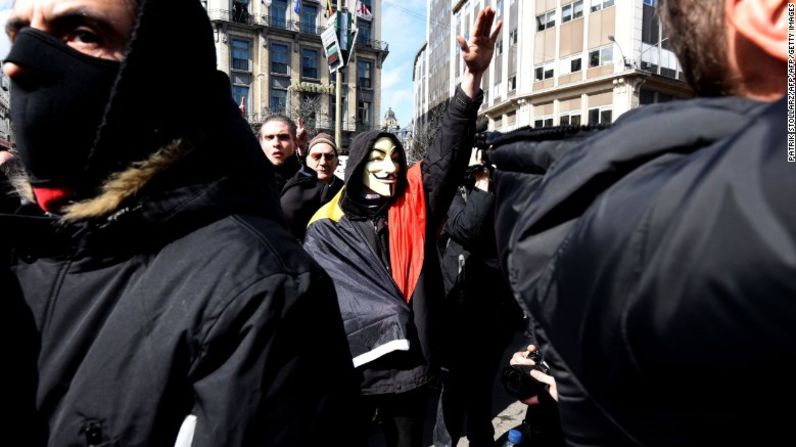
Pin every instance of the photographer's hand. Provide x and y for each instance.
(482, 179)
(521, 358)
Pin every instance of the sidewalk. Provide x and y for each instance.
(504, 421)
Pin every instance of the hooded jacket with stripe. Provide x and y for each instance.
(175, 290)
(666, 295)
(392, 341)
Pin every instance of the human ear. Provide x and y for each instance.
(764, 23)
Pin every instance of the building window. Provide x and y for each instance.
(543, 122)
(546, 71)
(278, 10)
(572, 11)
(601, 56)
(499, 47)
(572, 64)
(278, 103)
(600, 115)
(597, 5)
(570, 119)
(309, 63)
(333, 76)
(279, 58)
(512, 83)
(364, 74)
(343, 109)
(363, 36)
(309, 15)
(364, 113)
(546, 20)
(241, 51)
(513, 37)
(240, 93)
(240, 11)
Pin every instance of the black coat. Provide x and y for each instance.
(666, 306)
(176, 292)
(302, 196)
(393, 342)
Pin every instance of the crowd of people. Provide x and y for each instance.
(171, 278)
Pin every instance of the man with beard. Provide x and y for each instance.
(166, 303)
(657, 258)
(377, 240)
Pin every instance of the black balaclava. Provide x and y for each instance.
(56, 106)
(167, 89)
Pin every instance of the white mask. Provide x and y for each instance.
(382, 168)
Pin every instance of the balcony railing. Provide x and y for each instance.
(378, 45)
(241, 16)
(245, 18)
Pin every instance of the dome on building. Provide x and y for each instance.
(390, 121)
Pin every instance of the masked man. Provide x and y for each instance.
(166, 303)
(377, 240)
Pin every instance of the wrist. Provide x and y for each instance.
(471, 83)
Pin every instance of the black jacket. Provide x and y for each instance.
(393, 342)
(186, 298)
(302, 196)
(668, 297)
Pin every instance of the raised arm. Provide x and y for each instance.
(447, 157)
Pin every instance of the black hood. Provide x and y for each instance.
(168, 88)
(358, 156)
(172, 130)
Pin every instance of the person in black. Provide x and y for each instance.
(154, 285)
(480, 314)
(312, 186)
(377, 240)
(657, 257)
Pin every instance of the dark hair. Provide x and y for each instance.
(291, 126)
(696, 31)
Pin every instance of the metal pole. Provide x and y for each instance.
(338, 88)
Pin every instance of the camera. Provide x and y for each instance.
(517, 379)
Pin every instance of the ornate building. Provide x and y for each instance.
(272, 51)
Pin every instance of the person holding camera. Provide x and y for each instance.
(528, 378)
(480, 313)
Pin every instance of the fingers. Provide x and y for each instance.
(484, 22)
(462, 44)
(542, 377)
(496, 32)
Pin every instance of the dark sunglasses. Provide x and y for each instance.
(317, 156)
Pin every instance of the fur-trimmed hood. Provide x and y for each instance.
(170, 122)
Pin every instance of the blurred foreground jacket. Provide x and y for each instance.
(658, 261)
(174, 289)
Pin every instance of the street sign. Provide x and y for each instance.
(339, 39)
(331, 46)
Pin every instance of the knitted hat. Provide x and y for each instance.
(322, 138)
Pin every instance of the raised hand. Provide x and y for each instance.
(477, 52)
